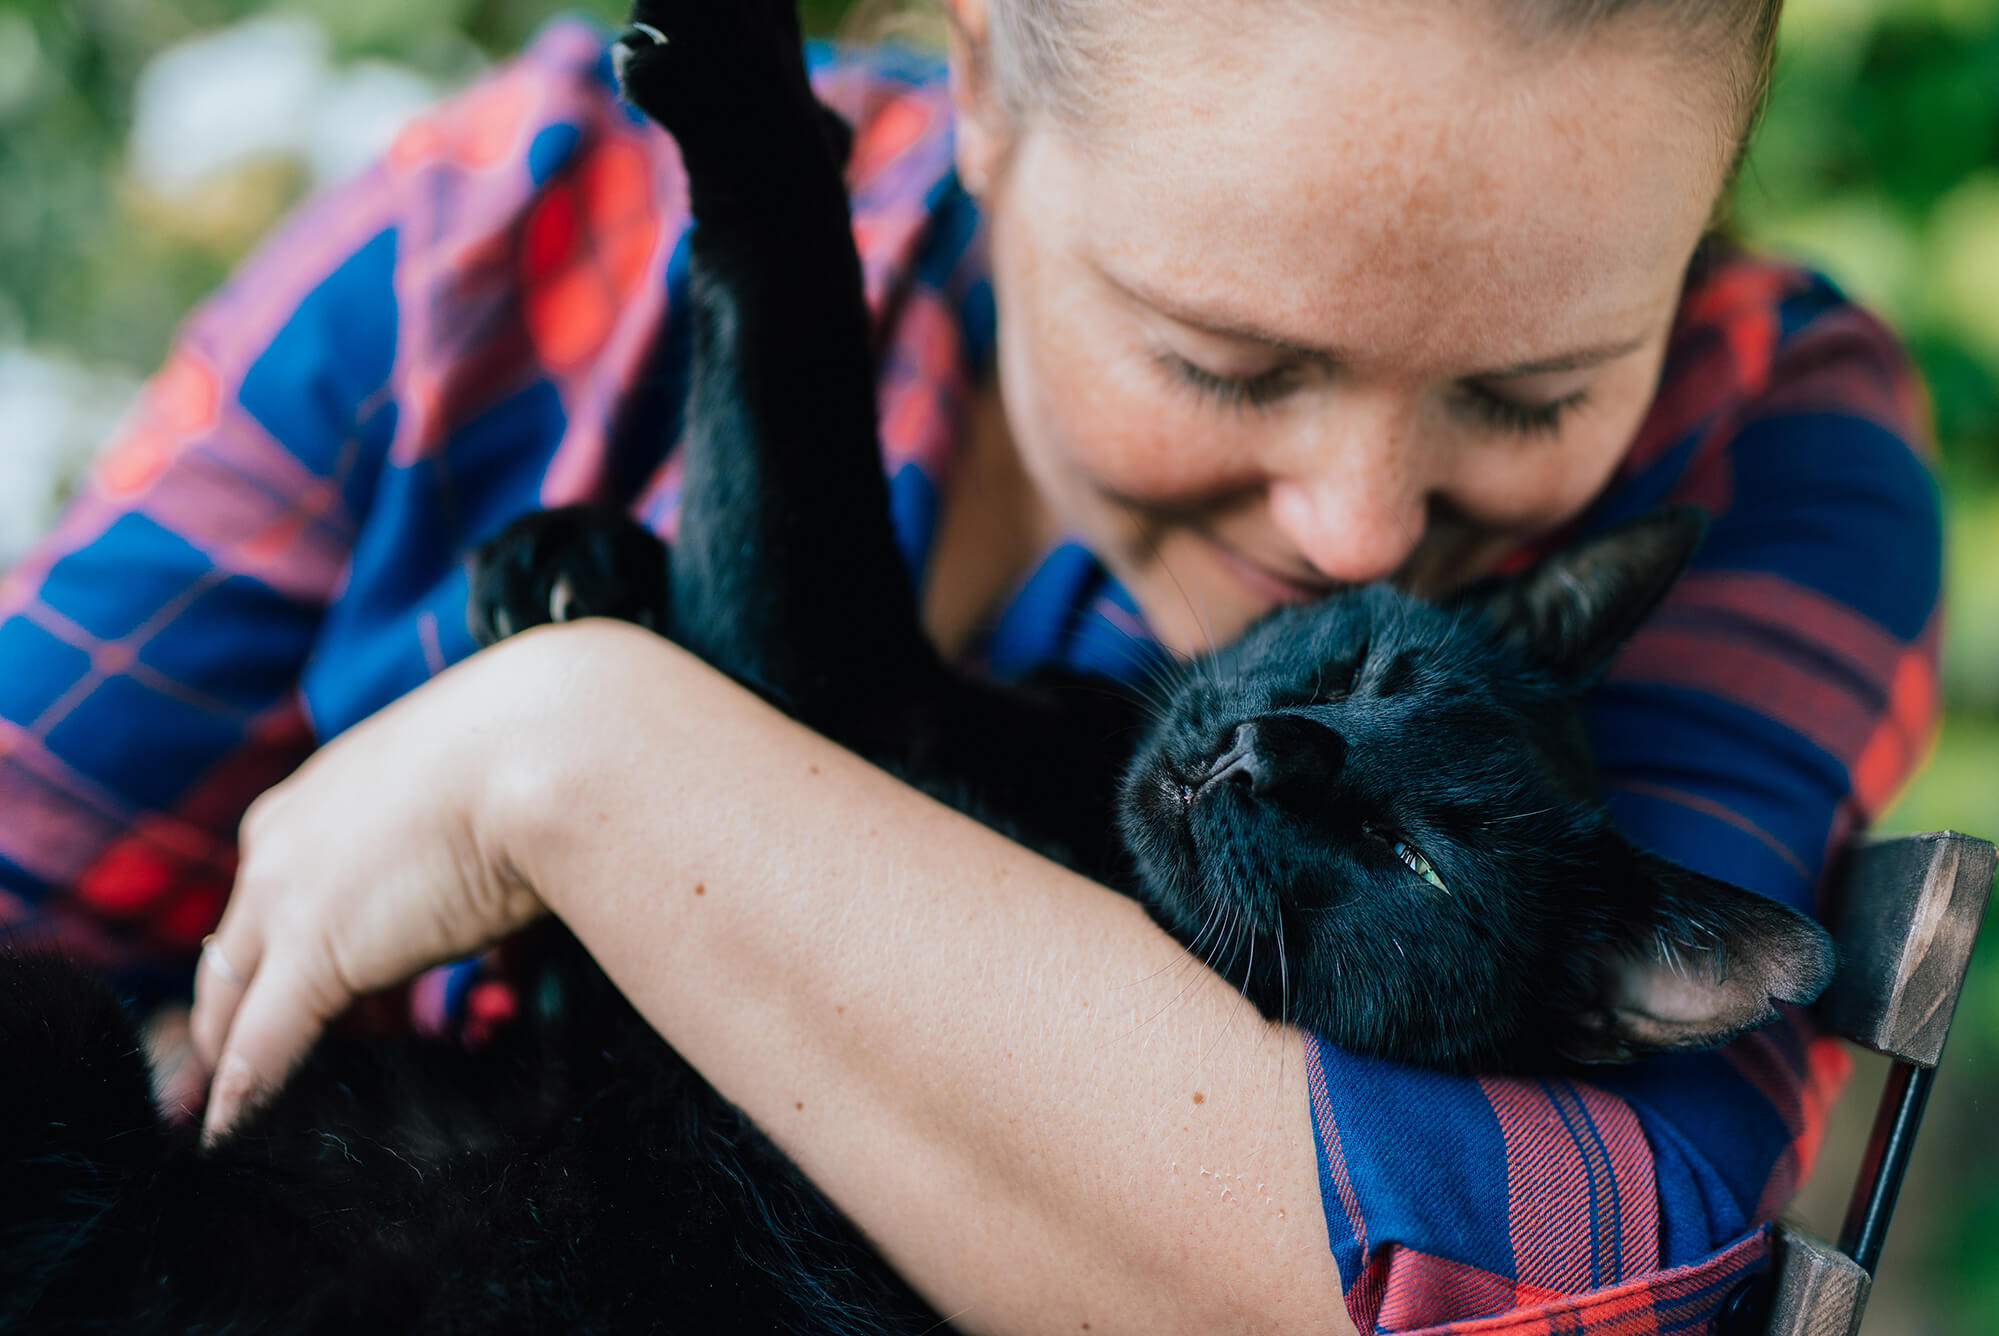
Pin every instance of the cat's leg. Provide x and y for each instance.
(785, 571)
(563, 565)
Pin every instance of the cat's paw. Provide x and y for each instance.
(722, 76)
(564, 565)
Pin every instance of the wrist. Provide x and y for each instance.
(566, 694)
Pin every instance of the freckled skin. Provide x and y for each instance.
(1424, 201)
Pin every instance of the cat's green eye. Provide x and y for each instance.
(1416, 863)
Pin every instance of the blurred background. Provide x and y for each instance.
(145, 144)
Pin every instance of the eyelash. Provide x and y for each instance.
(1231, 392)
(1520, 419)
(1265, 388)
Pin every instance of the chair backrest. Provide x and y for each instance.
(1904, 914)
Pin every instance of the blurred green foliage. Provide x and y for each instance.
(1878, 160)
(78, 269)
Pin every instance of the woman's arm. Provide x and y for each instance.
(1046, 1114)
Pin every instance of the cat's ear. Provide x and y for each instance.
(1704, 962)
(1571, 611)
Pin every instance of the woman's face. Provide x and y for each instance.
(1324, 299)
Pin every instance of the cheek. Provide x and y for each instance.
(1083, 398)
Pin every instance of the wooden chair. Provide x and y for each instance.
(1905, 913)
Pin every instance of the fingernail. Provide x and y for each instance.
(233, 1084)
(215, 1124)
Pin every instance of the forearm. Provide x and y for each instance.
(1041, 1108)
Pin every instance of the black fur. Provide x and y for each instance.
(574, 1176)
(1274, 811)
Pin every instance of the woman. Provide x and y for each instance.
(1279, 298)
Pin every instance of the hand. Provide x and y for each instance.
(369, 864)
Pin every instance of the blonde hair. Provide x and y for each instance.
(1049, 56)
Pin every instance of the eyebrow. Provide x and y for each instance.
(1594, 355)
(1575, 361)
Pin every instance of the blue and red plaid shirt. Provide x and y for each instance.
(495, 318)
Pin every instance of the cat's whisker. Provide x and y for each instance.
(1191, 950)
(1214, 955)
(1157, 671)
(1283, 996)
(1243, 1004)
(1201, 612)
(943, 1323)
(1190, 958)
(1283, 976)
(1218, 907)
(1518, 816)
(1249, 970)
(1194, 965)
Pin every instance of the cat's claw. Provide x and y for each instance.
(725, 77)
(565, 565)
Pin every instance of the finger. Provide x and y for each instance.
(228, 961)
(280, 1016)
(180, 1089)
(179, 1084)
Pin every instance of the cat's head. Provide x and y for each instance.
(1379, 818)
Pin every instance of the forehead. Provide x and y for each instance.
(1409, 185)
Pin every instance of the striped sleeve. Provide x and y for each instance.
(1788, 686)
(150, 646)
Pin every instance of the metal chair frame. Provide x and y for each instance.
(1905, 914)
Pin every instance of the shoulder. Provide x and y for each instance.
(1796, 418)
(553, 112)
(1787, 686)
(1792, 409)
(527, 226)
(1757, 338)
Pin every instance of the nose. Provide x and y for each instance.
(1355, 502)
(1280, 756)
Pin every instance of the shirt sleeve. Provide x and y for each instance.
(150, 646)
(1787, 687)
(1773, 704)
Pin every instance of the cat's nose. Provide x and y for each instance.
(1277, 754)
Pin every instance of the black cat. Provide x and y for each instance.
(1378, 817)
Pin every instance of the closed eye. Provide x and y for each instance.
(1336, 681)
(1512, 417)
(1232, 392)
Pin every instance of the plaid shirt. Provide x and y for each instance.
(494, 319)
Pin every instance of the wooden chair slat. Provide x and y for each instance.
(1820, 1290)
(1905, 913)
